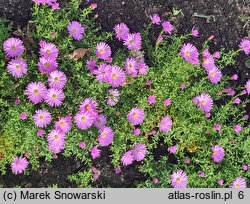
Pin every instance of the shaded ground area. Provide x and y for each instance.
(227, 20)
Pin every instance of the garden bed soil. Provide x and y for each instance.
(229, 22)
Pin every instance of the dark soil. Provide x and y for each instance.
(229, 22)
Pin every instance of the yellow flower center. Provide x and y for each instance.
(62, 124)
(203, 102)
(54, 96)
(83, 118)
(215, 153)
(237, 185)
(56, 137)
(87, 107)
(134, 115)
(46, 65)
(56, 79)
(41, 117)
(205, 61)
(132, 42)
(36, 92)
(178, 180)
(104, 136)
(212, 74)
(13, 47)
(102, 51)
(114, 76)
(18, 67)
(48, 52)
(74, 30)
(188, 54)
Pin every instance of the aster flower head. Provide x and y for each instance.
(100, 121)
(217, 127)
(195, 32)
(56, 136)
(88, 105)
(155, 18)
(17, 67)
(23, 116)
(245, 46)
(63, 125)
(103, 71)
(76, 30)
(54, 97)
(56, 146)
(172, 149)
(247, 86)
(151, 99)
(179, 179)
(167, 27)
(19, 164)
(133, 41)
(36, 92)
(136, 116)
(84, 120)
(205, 102)
(47, 65)
(106, 136)
(239, 182)
(121, 31)
(190, 53)
(131, 65)
(237, 128)
(127, 158)
(95, 152)
(214, 75)
(57, 79)
(42, 118)
(91, 64)
(103, 51)
(217, 153)
(139, 151)
(167, 102)
(113, 97)
(49, 50)
(136, 131)
(143, 68)
(165, 124)
(116, 76)
(13, 47)
(82, 145)
(40, 132)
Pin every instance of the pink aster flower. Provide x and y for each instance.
(76, 30)
(187, 161)
(217, 153)
(127, 158)
(47, 65)
(17, 101)
(214, 75)
(55, 6)
(247, 86)
(54, 97)
(136, 131)
(172, 149)
(36, 92)
(56, 146)
(121, 31)
(19, 164)
(116, 77)
(220, 182)
(23, 116)
(237, 100)
(103, 71)
(190, 53)
(239, 182)
(40, 132)
(207, 115)
(205, 102)
(159, 39)
(201, 174)
(118, 170)
(49, 50)
(84, 120)
(208, 63)
(151, 100)
(100, 121)
(42, 118)
(133, 41)
(234, 77)
(131, 65)
(17, 67)
(155, 180)
(244, 167)
(217, 127)
(95, 152)
(179, 179)
(63, 125)
(245, 46)
(183, 86)
(167, 27)
(143, 68)
(216, 54)
(55, 136)
(82, 145)
(237, 128)
(167, 102)
(57, 79)
(88, 105)
(139, 151)
(13, 47)
(91, 64)
(103, 51)
(195, 32)
(165, 124)
(113, 97)
(106, 136)
(136, 116)
(155, 18)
